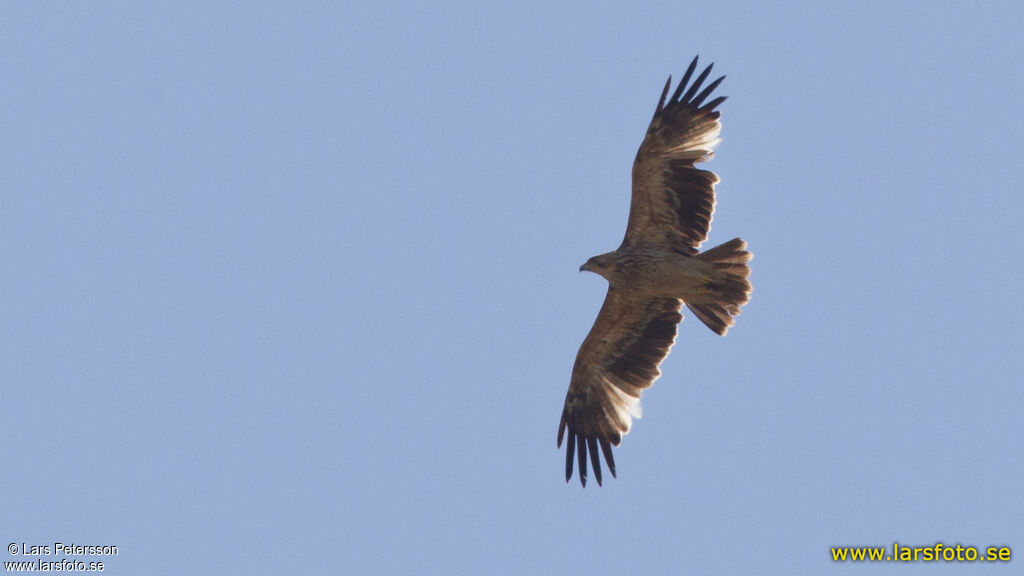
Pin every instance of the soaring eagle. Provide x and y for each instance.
(655, 270)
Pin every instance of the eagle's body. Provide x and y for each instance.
(654, 272)
(651, 271)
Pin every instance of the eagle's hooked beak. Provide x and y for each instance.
(592, 265)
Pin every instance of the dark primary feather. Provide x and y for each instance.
(683, 82)
(707, 92)
(696, 84)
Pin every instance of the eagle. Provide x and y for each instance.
(655, 271)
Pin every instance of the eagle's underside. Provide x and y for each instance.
(651, 275)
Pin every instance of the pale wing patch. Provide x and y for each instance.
(625, 404)
(699, 149)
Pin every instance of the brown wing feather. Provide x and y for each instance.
(672, 200)
(617, 361)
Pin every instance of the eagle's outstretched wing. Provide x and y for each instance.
(617, 361)
(672, 200)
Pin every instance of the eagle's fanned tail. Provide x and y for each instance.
(727, 290)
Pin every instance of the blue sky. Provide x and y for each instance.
(294, 288)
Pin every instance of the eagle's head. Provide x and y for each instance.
(602, 264)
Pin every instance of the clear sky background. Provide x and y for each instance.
(293, 288)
